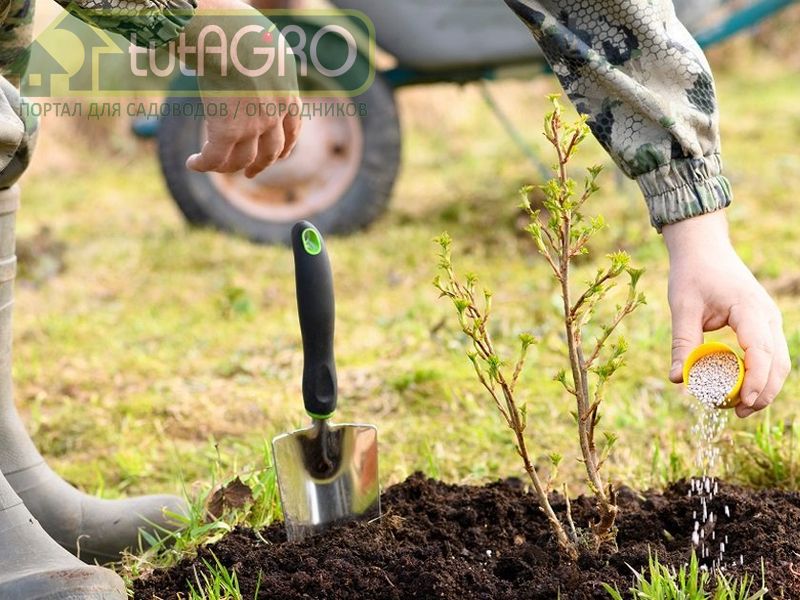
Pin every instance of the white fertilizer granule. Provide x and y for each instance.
(713, 377)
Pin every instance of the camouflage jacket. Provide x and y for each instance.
(154, 21)
(647, 89)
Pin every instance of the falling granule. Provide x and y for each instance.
(710, 381)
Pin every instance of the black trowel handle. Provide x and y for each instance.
(316, 308)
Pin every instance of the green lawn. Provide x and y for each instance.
(160, 350)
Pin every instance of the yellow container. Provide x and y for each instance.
(732, 399)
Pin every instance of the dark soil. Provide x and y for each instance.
(444, 541)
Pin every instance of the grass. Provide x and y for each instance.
(689, 582)
(200, 526)
(217, 583)
(768, 456)
(162, 357)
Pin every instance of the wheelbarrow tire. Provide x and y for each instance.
(363, 201)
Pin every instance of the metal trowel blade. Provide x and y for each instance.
(327, 474)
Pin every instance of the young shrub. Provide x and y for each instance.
(560, 238)
(493, 374)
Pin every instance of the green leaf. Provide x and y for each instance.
(444, 240)
(635, 275)
(461, 305)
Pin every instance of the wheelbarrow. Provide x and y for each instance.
(343, 169)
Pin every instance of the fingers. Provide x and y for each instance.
(270, 146)
(779, 371)
(291, 132)
(244, 153)
(213, 155)
(291, 129)
(755, 334)
(276, 143)
(687, 333)
(250, 144)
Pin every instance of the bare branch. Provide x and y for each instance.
(572, 530)
(608, 330)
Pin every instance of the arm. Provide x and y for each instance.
(648, 92)
(275, 4)
(649, 95)
(234, 141)
(154, 22)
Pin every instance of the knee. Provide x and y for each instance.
(19, 160)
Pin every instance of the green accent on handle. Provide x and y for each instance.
(319, 417)
(311, 241)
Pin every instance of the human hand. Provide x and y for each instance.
(710, 287)
(252, 113)
(252, 143)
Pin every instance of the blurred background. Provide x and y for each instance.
(148, 351)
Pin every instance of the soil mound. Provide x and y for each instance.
(445, 541)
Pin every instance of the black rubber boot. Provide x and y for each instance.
(34, 567)
(95, 530)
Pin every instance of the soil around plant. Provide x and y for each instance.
(446, 541)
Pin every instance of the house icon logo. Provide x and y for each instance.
(334, 51)
(72, 58)
(39, 68)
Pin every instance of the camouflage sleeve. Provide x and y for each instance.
(143, 22)
(16, 34)
(648, 92)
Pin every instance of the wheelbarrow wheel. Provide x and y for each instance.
(340, 175)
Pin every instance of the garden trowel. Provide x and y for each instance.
(327, 473)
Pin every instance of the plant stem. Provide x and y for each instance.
(604, 529)
(512, 414)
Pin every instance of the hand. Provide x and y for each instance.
(247, 132)
(710, 287)
(243, 142)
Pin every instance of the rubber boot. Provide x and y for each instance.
(34, 567)
(94, 529)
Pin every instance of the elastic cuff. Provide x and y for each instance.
(684, 189)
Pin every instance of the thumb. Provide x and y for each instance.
(687, 334)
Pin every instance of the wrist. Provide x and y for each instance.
(706, 232)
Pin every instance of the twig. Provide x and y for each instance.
(573, 531)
